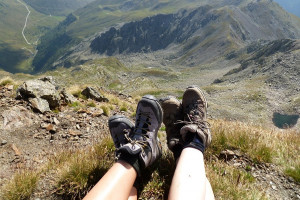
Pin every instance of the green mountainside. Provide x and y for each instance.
(253, 20)
(15, 53)
(190, 38)
(57, 7)
(96, 17)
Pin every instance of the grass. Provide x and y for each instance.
(84, 169)
(262, 145)
(91, 104)
(294, 173)
(256, 96)
(21, 186)
(7, 81)
(76, 105)
(77, 171)
(231, 183)
(210, 89)
(106, 110)
(123, 108)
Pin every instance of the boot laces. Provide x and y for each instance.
(195, 113)
(141, 128)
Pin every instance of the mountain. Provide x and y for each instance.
(200, 35)
(57, 7)
(96, 17)
(192, 37)
(292, 6)
(15, 52)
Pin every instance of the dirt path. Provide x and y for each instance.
(26, 20)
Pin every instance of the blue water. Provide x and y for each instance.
(284, 121)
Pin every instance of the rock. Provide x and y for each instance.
(55, 120)
(3, 142)
(97, 113)
(274, 187)
(44, 125)
(48, 79)
(17, 117)
(39, 89)
(9, 87)
(50, 127)
(39, 105)
(92, 93)
(227, 155)
(16, 150)
(67, 98)
(74, 133)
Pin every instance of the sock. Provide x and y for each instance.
(177, 151)
(194, 141)
(133, 160)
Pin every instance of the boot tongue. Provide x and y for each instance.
(140, 127)
(188, 128)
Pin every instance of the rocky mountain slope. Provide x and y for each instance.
(98, 16)
(192, 37)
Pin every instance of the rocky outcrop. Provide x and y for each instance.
(41, 88)
(92, 93)
(203, 27)
(17, 117)
(153, 33)
(39, 104)
(67, 98)
(43, 94)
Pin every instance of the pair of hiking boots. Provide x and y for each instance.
(186, 126)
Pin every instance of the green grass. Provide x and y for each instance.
(21, 186)
(124, 108)
(231, 183)
(294, 173)
(106, 110)
(84, 169)
(6, 81)
(261, 145)
(91, 104)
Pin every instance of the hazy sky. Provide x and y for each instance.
(292, 6)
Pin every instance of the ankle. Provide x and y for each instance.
(194, 141)
(132, 160)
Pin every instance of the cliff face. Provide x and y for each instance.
(153, 33)
(199, 30)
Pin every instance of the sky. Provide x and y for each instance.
(292, 6)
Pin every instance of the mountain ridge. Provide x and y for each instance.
(192, 37)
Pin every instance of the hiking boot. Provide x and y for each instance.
(195, 132)
(120, 127)
(172, 114)
(143, 142)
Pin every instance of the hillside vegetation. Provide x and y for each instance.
(16, 54)
(57, 7)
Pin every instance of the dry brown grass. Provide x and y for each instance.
(281, 147)
(7, 81)
(77, 171)
(21, 186)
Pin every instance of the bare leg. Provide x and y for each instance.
(116, 184)
(189, 181)
(209, 194)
